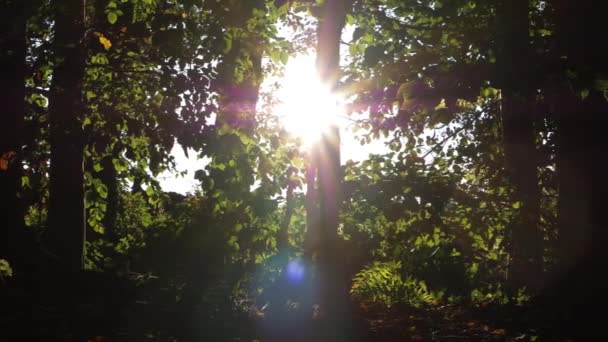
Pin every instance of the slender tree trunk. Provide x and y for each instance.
(333, 287)
(283, 240)
(12, 98)
(526, 249)
(65, 233)
(311, 238)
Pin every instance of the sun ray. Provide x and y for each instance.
(306, 106)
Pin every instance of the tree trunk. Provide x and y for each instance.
(65, 233)
(526, 249)
(574, 205)
(311, 237)
(333, 287)
(581, 137)
(12, 98)
(283, 240)
(581, 112)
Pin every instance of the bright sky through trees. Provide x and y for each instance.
(304, 107)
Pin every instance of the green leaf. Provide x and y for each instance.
(284, 57)
(275, 56)
(112, 17)
(25, 182)
(350, 20)
(5, 268)
(489, 92)
(120, 164)
(227, 43)
(102, 190)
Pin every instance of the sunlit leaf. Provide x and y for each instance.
(105, 42)
(112, 18)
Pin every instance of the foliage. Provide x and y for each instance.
(383, 283)
(431, 219)
(5, 270)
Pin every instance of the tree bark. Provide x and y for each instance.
(12, 98)
(333, 286)
(65, 233)
(283, 240)
(583, 226)
(521, 159)
(311, 237)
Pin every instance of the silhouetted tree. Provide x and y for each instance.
(514, 73)
(581, 107)
(12, 97)
(333, 290)
(65, 233)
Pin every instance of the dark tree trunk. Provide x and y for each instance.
(65, 234)
(513, 63)
(581, 114)
(12, 98)
(581, 137)
(574, 155)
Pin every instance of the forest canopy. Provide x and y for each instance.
(368, 169)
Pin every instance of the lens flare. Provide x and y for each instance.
(296, 270)
(306, 107)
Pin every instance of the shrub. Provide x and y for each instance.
(382, 283)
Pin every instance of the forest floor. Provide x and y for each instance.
(433, 323)
(453, 322)
(25, 314)
(450, 322)
(485, 322)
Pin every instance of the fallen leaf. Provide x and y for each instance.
(6, 158)
(499, 332)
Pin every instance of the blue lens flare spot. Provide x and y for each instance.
(295, 270)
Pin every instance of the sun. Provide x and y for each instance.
(306, 107)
